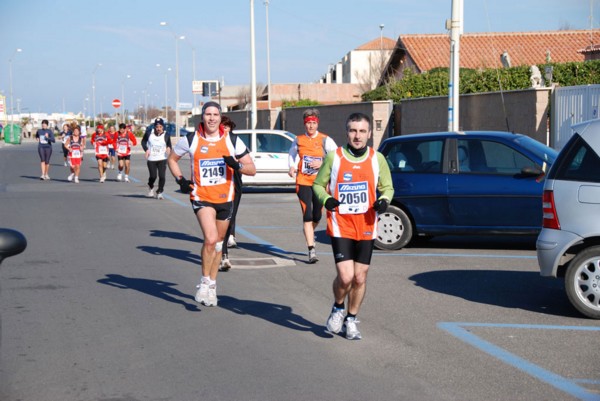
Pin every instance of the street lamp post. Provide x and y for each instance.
(123, 97)
(166, 86)
(94, 93)
(268, 58)
(12, 111)
(177, 38)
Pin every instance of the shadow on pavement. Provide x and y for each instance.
(174, 235)
(274, 313)
(186, 256)
(507, 289)
(160, 289)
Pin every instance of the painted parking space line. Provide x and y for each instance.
(457, 255)
(460, 331)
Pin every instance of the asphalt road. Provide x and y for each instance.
(100, 306)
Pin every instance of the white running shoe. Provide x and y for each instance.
(231, 243)
(335, 321)
(103, 176)
(119, 177)
(65, 164)
(351, 329)
(46, 177)
(202, 293)
(127, 178)
(160, 196)
(76, 180)
(102, 179)
(70, 177)
(225, 265)
(42, 177)
(151, 193)
(212, 296)
(312, 256)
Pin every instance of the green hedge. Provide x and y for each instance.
(435, 82)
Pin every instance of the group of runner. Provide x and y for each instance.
(353, 182)
(108, 146)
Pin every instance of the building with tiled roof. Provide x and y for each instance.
(483, 50)
(362, 65)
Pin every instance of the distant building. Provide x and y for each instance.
(422, 53)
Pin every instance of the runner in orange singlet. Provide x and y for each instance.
(347, 186)
(305, 158)
(215, 156)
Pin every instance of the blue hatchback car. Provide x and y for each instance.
(470, 183)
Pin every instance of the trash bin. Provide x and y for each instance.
(12, 134)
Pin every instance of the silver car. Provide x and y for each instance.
(569, 244)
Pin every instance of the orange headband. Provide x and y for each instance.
(311, 119)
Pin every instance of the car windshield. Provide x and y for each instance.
(539, 149)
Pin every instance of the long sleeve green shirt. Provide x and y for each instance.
(384, 185)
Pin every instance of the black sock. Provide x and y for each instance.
(339, 306)
(349, 315)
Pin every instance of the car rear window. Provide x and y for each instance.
(576, 162)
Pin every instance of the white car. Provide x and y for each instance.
(269, 150)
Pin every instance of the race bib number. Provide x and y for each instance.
(102, 150)
(353, 197)
(158, 151)
(122, 149)
(212, 172)
(43, 140)
(306, 161)
(76, 154)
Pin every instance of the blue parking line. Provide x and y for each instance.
(568, 386)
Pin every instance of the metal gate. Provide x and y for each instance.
(572, 105)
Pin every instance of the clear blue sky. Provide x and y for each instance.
(64, 40)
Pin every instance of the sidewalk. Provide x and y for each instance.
(57, 146)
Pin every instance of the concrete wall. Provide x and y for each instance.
(526, 113)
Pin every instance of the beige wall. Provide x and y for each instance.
(526, 113)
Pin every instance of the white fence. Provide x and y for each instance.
(572, 105)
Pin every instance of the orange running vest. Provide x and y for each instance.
(309, 149)
(354, 184)
(213, 179)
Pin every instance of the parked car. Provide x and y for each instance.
(569, 244)
(269, 150)
(468, 183)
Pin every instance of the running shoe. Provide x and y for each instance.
(102, 179)
(202, 293)
(312, 256)
(160, 196)
(151, 193)
(127, 178)
(103, 176)
(119, 177)
(351, 329)
(335, 321)
(70, 177)
(231, 243)
(225, 265)
(46, 177)
(76, 180)
(65, 164)
(212, 296)
(42, 177)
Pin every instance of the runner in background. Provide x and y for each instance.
(74, 145)
(124, 140)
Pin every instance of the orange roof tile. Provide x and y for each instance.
(483, 50)
(375, 44)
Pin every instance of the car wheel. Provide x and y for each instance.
(582, 282)
(394, 229)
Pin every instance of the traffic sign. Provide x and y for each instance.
(116, 103)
